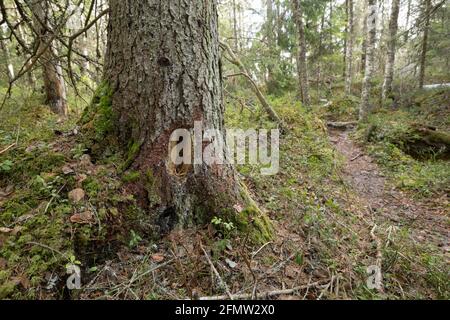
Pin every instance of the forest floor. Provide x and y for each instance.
(339, 206)
(426, 218)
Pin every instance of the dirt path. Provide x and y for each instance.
(427, 220)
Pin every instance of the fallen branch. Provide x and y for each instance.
(342, 125)
(7, 148)
(243, 72)
(269, 294)
(222, 283)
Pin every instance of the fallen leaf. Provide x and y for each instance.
(158, 258)
(231, 264)
(16, 230)
(81, 178)
(67, 170)
(5, 230)
(238, 208)
(85, 160)
(77, 195)
(82, 218)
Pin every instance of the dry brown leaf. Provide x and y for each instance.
(82, 218)
(77, 195)
(158, 258)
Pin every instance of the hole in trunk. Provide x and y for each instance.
(167, 220)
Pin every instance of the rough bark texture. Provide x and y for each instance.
(302, 63)
(163, 73)
(54, 84)
(364, 41)
(349, 48)
(6, 55)
(392, 47)
(423, 58)
(368, 82)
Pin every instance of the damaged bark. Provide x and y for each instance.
(163, 73)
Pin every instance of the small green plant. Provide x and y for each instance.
(73, 261)
(218, 222)
(6, 166)
(135, 239)
(78, 151)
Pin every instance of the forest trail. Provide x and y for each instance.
(426, 219)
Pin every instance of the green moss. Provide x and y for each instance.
(98, 120)
(131, 155)
(151, 185)
(92, 187)
(132, 176)
(7, 289)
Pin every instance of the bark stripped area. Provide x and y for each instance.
(163, 70)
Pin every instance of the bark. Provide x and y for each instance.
(235, 27)
(54, 84)
(364, 42)
(270, 34)
(349, 48)
(365, 107)
(408, 17)
(392, 47)
(302, 63)
(423, 55)
(7, 56)
(163, 73)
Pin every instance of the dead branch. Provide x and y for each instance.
(232, 58)
(271, 294)
(216, 273)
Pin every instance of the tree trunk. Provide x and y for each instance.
(364, 41)
(163, 73)
(368, 82)
(7, 56)
(392, 47)
(54, 84)
(426, 30)
(349, 48)
(235, 28)
(302, 63)
(408, 17)
(270, 34)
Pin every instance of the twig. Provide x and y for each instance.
(269, 294)
(357, 157)
(222, 283)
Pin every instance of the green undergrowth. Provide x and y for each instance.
(384, 135)
(40, 235)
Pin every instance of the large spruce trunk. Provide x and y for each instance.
(163, 73)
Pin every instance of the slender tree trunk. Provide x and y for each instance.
(163, 73)
(368, 82)
(392, 47)
(349, 48)
(7, 56)
(302, 63)
(364, 42)
(408, 17)
(426, 30)
(270, 33)
(235, 27)
(55, 87)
